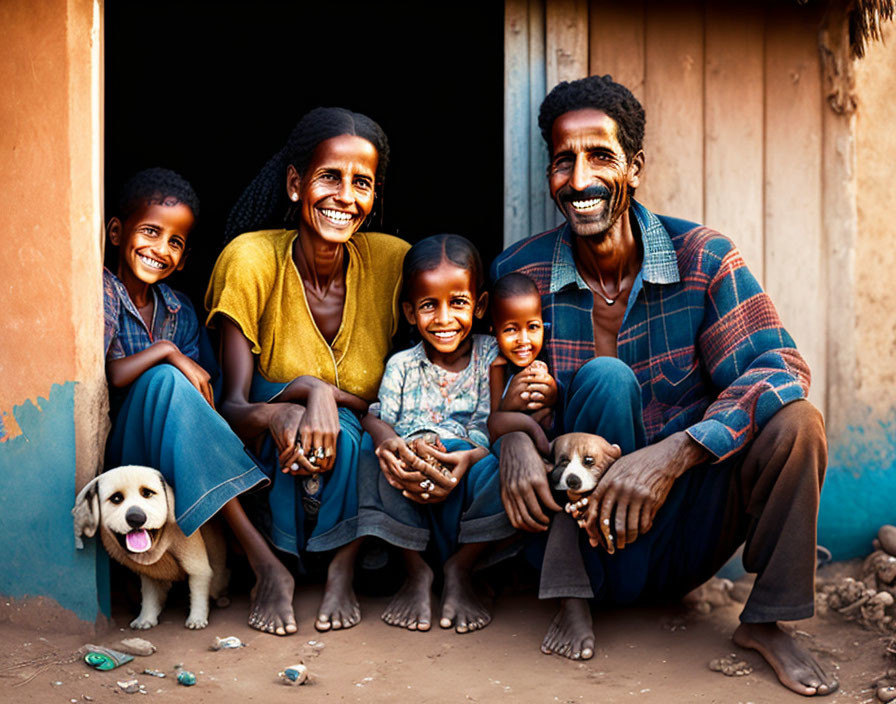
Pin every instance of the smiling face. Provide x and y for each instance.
(589, 176)
(519, 329)
(152, 241)
(336, 192)
(443, 305)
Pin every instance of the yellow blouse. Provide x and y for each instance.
(255, 283)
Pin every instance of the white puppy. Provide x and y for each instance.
(134, 510)
(579, 461)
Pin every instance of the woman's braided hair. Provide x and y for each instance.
(264, 203)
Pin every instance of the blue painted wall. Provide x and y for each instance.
(37, 492)
(859, 493)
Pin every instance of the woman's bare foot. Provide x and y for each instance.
(571, 633)
(411, 607)
(462, 607)
(339, 607)
(795, 667)
(271, 599)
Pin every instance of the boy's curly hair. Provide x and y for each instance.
(156, 185)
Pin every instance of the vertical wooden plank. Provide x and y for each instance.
(517, 224)
(735, 65)
(673, 102)
(794, 264)
(542, 212)
(566, 31)
(616, 43)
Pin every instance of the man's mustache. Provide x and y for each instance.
(595, 191)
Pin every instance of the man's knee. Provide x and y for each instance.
(798, 430)
(607, 376)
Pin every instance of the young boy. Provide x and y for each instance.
(147, 323)
(519, 330)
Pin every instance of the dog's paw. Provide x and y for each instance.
(196, 622)
(142, 623)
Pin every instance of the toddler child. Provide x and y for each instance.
(433, 408)
(523, 393)
(163, 412)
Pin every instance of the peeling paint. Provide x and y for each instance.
(859, 493)
(37, 492)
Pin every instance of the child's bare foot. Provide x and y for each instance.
(411, 607)
(461, 605)
(339, 607)
(271, 599)
(571, 633)
(795, 667)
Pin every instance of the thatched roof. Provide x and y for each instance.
(865, 17)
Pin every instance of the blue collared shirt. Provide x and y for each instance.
(126, 333)
(703, 339)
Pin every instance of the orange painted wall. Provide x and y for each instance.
(38, 340)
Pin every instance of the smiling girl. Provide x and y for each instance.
(434, 405)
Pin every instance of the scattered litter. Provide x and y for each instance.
(136, 646)
(86, 697)
(100, 658)
(731, 666)
(129, 686)
(154, 673)
(294, 674)
(714, 593)
(226, 643)
(185, 677)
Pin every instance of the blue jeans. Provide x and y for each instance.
(766, 497)
(472, 512)
(165, 423)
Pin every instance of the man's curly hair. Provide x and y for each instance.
(599, 93)
(156, 185)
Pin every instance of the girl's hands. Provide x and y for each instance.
(412, 476)
(440, 485)
(531, 389)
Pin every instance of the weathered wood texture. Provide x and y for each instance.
(736, 136)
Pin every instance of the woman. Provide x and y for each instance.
(306, 317)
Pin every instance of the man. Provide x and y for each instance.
(665, 345)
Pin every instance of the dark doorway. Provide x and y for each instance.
(212, 90)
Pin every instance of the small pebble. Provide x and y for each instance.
(226, 643)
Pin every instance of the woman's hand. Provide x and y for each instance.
(284, 428)
(319, 428)
(407, 472)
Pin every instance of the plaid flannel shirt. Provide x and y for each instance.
(125, 332)
(703, 339)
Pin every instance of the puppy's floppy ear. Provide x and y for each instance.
(86, 512)
(169, 496)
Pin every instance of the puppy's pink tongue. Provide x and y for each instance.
(138, 540)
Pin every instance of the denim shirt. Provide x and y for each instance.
(126, 333)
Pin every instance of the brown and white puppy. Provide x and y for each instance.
(133, 507)
(579, 461)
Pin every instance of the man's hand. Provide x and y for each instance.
(525, 490)
(632, 490)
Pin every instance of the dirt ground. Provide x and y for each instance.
(646, 654)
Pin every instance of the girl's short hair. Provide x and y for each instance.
(429, 253)
(263, 203)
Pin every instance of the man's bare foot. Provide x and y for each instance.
(571, 633)
(271, 599)
(411, 607)
(339, 607)
(795, 667)
(462, 607)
